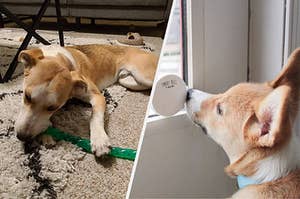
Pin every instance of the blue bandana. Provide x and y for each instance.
(244, 181)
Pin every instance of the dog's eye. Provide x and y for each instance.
(51, 108)
(27, 97)
(219, 109)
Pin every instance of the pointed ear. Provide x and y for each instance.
(79, 85)
(30, 57)
(290, 73)
(270, 122)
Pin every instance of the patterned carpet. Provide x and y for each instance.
(64, 171)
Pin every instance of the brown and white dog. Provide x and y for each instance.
(55, 74)
(254, 125)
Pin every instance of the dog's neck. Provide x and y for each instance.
(269, 168)
(55, 50)
(279, 164)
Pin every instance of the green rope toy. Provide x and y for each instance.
(85, 144)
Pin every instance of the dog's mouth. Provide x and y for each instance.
(197, 123)
(203, 128)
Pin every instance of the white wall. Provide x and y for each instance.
(218, 43)
(294, 25)
(293, 39)
(266, 47)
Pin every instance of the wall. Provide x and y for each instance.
(266, 47)
(218, 43)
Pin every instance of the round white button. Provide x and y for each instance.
(169, 95)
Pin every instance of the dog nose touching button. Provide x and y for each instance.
(189, 94)
(169, 95)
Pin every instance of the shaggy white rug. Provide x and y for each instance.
(65, 171)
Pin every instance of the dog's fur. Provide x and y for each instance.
(55, 74)
(254, 125)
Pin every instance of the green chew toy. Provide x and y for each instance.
(128, 154)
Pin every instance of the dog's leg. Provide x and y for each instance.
(133, 80)
(99, 140)
(129, 82)
(87, 91)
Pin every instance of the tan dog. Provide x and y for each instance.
(54, 74)
(254, 125)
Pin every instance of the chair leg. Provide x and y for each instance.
(59, 22)
(1, 79)
(77, 23)
(26, 41)
(1, 26)
(1, 21)
(21, 24)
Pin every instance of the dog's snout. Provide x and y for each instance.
(189, 94)
(23, 137)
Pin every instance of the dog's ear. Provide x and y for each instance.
(290, 73)
(30, 57)
(79, 85)
(270, 122)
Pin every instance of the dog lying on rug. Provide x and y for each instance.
(254, 125)
(54, 74)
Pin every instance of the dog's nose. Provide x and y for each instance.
(189, 94)
(23, 137)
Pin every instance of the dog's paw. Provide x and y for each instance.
(46, 140)
(100, 146)
(124, 73)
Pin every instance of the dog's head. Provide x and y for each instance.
(250, 117)
(48, 84)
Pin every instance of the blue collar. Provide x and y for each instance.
(244, 181)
